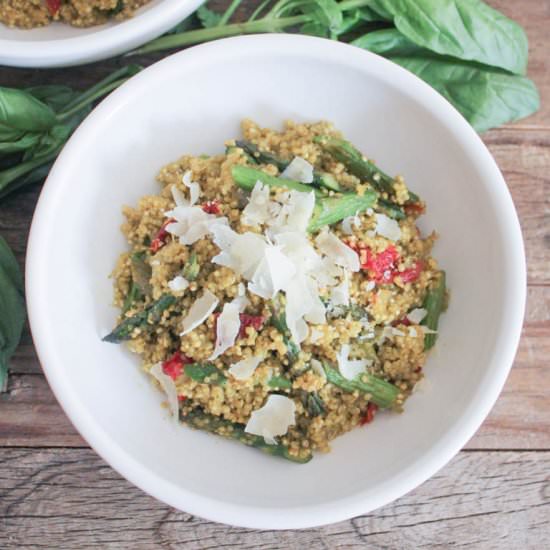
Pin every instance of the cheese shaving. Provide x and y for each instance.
(350, 369)
(228, 325)
(387, 227)
(168, 387)
(199, 311)
(317, 368)
(417, 315)
(194, 187)
(339, 295)
(245, 368)
(341, 254)
(178, 284)
(273, 419)
(299, 169)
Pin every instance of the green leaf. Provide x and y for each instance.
(12, 307)
(388, 42)
(200, 372)
(207, 17)
(466, 29)
(33, 175)
(486, 97)
(25, 142)
(20, 112)
(327, 13)
(315, 29)
(55, 96)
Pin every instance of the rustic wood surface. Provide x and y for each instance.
(56, 493)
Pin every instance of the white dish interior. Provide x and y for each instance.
(60, 44)
(190, 103)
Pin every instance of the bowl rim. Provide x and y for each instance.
(97, 44)
(429, 462)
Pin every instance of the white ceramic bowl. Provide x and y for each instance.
(60, 45)
(190, 103)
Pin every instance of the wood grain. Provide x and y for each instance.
(71, 499)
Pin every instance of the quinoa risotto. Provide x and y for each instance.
(280, 294)
(28, 14)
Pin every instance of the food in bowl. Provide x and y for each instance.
(28, 14)
(280, 293)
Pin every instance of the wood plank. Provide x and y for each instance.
(71, 499)
(31, 416)
(534, 17)
(524, 159)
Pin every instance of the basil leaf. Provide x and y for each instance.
(327, 13)
(55, 96)
(486, 97)
(19, 145)
(466, 29)
(208, 18)
(389, 42)
(31, 175)
(12, 308)
(20, 112)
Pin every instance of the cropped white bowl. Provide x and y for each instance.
(190, 103)
(60, 45)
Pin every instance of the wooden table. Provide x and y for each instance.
(55, 492)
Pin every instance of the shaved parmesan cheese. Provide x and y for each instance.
(168, 386)
(350, 369)
(302, 300)
(427, 330)
(178, 283)
(339, 295)
(416, 315)
(315, 335)
(341, 254)
(194, 188)
(413, 333)
(348, 222)
(192, 223)
(370, 286)
(244, 369)
(241, 252)
(317, 368)
(298, 210)
(179, 197)
(273, 419)
(199, 311)
(259, 209)
(228, 325)
(299, 169)
(387, 227)
(241, 289)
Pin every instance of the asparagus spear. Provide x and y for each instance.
(384, 394)
(279, 322)
(313, 403)
(263, 157)
(246, 178)
(144, 319)
(134, 295)
(329, 210)
(358, 165)
(191, 268)
(279, 383)
(434, 304)
(200, 420)
(199, 372)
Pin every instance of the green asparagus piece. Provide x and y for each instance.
(141, 273)
(313, 403)
(203, 421)
(144, 319)
(384, 394)
(134, 295)
(192, 268)
(262, 157)
(390, 209)
(329, 210)
(279, 322)
(434, 304)
(279, 383)
(199, 372)
(356, 163)
(246, 178)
